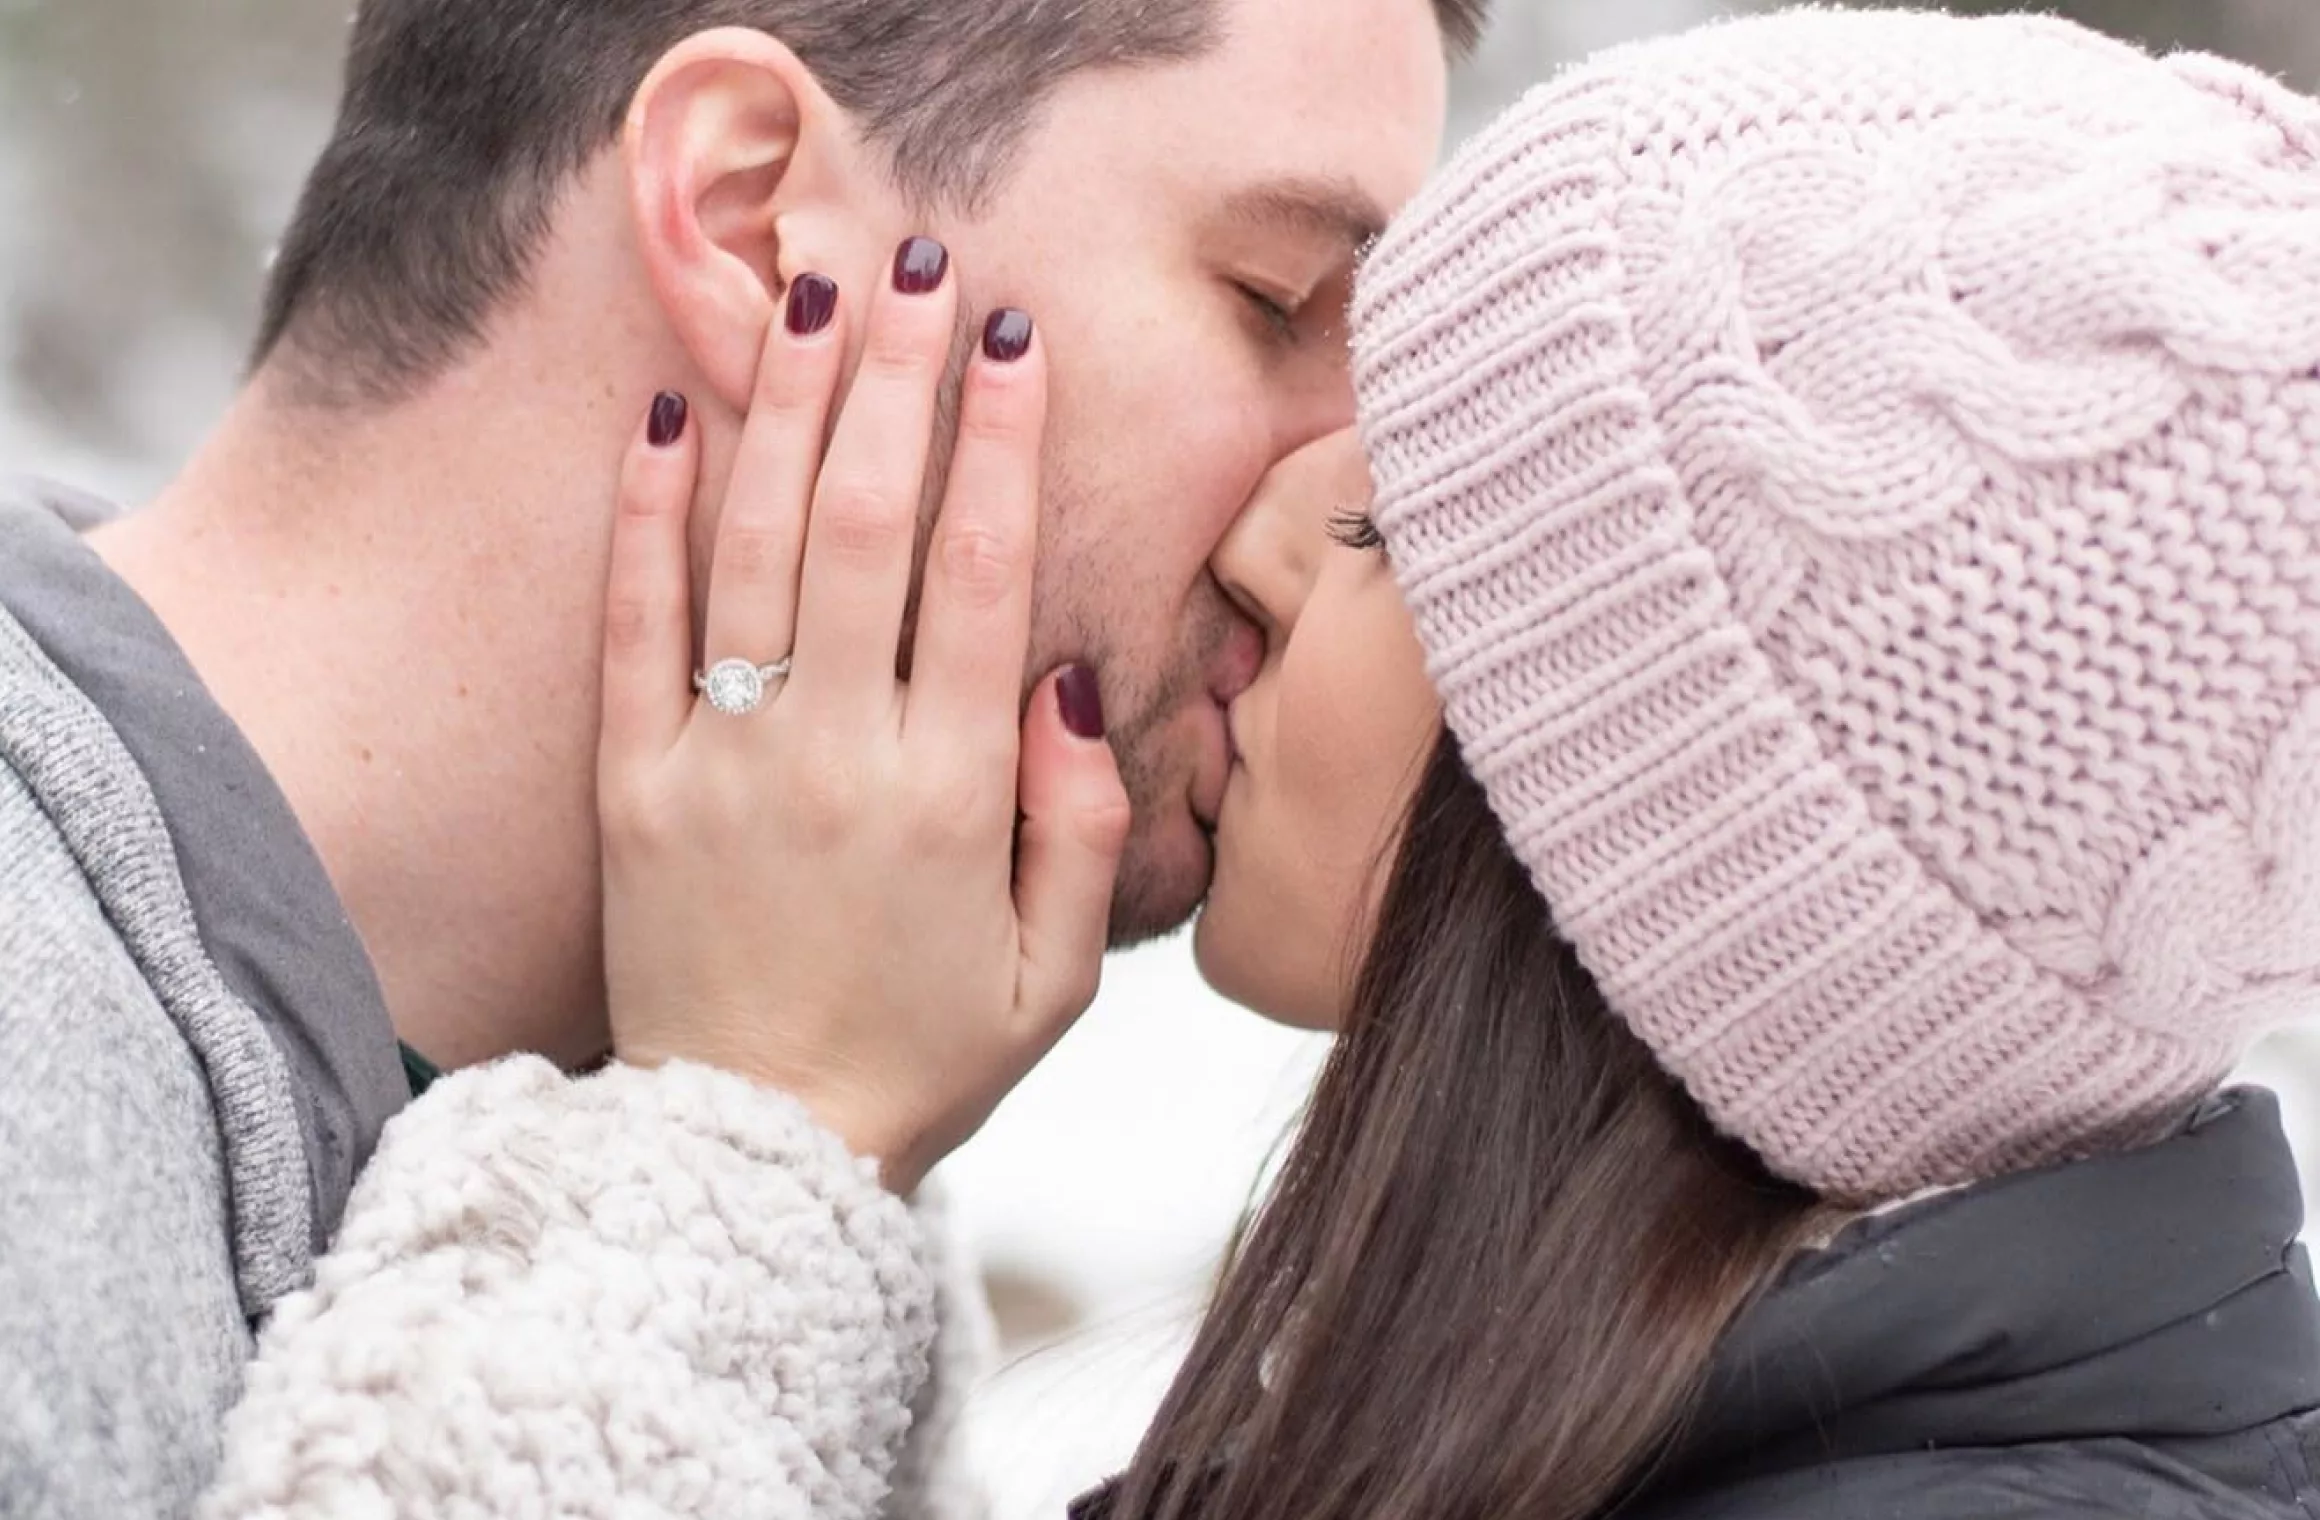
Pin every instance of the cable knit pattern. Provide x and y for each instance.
(642, 1293)
(1857, 477)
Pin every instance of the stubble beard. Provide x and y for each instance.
(1153, 897)
(1166, 867)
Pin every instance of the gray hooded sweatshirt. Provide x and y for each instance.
(241, 1272)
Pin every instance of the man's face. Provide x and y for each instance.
(1153, 223)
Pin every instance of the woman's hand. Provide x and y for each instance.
(832, 894)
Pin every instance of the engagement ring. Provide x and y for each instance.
(737, 688)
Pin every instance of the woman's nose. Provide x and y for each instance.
(1261, 567)
(1273, 550)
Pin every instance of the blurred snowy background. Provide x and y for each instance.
(149, 151)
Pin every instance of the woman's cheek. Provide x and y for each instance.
(1354, 732)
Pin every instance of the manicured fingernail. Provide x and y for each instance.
(667, 424)
(1082, 701)
(1007, 335)
(919, 266)
(813, 300)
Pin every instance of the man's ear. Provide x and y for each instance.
(731, 146)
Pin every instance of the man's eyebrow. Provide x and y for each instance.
(1337, 211)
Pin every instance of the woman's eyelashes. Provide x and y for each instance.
(1278, 317)
(1356, 529)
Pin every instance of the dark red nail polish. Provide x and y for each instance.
(667, 423)
(813, 301)
(919, 266)
(1006, 335)
(1082, 701)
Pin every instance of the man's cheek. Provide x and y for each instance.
(1209, 425)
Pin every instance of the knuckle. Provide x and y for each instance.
(944, 833)
(754, 551)
(1000, 418)
(1068, 982)
(1081, 986)
(630, 623)
(634, 827)
(899, 353)
(797, 384)
(859, 523)
(639, 503)
(1104, 826)
(981, 561)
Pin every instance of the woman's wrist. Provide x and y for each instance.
(869, 1137)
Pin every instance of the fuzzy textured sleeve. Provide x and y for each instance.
(633, 1294)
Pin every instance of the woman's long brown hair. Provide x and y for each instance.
(1501, 1249)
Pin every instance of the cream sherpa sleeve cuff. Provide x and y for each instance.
(635, 1294)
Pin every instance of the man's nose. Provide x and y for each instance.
(1316, 403)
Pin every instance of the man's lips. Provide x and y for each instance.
(1233, 672)
(1237, 663)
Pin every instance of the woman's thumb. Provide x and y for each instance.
(1075, 824)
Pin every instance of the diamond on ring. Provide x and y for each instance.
(737, 688)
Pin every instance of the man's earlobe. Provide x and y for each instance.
(719, 146)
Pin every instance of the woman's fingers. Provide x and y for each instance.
(1075, 825)
(761, 530)
(927, 951)
(974, 614)
(863, 535)
(648, 631)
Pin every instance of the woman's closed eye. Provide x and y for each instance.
(1278, 317)
(1356, 529)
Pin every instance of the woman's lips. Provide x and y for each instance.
(1214, 771)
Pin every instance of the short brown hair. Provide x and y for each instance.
(463, 120)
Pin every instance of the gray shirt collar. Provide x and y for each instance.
(266, 909)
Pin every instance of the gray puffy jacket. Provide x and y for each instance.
(2132, 1336)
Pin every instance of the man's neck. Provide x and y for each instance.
(401, 612)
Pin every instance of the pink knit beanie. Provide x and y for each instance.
(1857, 476)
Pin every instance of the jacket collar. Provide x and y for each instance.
(2157, 1293)
(261, 899)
